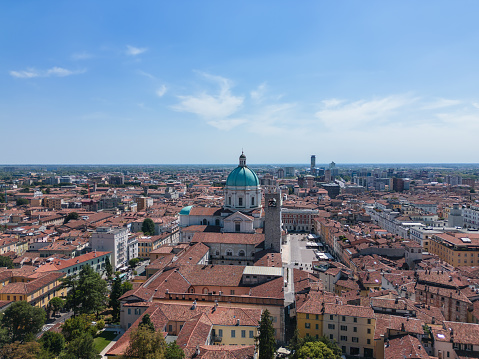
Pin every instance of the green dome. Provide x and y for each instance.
(242, 177)
(186, 210)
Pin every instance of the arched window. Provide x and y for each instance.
(217, 222)
(205, 222)
(205, 290)
(192, 290)
(229, 252)
(217, 253)
(241, 253)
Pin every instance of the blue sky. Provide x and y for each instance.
(196, 81)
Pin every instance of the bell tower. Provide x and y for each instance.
(272, 220)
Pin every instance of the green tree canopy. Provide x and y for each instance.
(148, 227)
(108, 267)
(22, 202)
(56, 304)
(17, 350)
(173, 351)
(88, 293)
(53, 342)
(74, 327)
(133, 262)
(71, 216)
(21, 319)
(6, 262)
(316, 350)
(145, 344)
(81, 347)
(266, 340)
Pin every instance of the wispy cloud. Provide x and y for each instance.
(161, 91)
(134, 51)
(81, 56)
(441, 103)
(361, 113)
(146, 74)
(54, 71)
(257, 95)
(212, 106)
(332, 102)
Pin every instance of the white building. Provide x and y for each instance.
(114, 240)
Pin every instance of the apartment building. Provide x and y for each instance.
(114, 240)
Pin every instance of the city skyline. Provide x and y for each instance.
(161, 83)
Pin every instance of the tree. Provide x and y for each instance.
(117, 290)
(316, 350)
(88, 294)
(145, 344)
(17, 350)
(76, 326)
(81, 347)
(53, 342)
(147, 323)
(22, 319)
(295, 344)
(148, 227)
(22, 202)
(173, 351)
(108, 267)
(70, 216)
(133, 262)
(331, 345)
(6, 262)
(56, 304)
(266, 340)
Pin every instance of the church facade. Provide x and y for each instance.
(242, 227)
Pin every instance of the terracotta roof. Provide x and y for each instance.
(241, 238)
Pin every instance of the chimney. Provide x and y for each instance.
(237, 321)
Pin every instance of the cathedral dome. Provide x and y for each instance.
(242, 176)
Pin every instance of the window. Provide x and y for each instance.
(344, 338)
(217, 222)
(330, 317)
(307, 316)
(317, 326)
(129, 311)
(251, 334)
(252, 201)
(229, 201)
(237, 227)
(307, 325)
(355, 320)
(232, 292)
(343, 318)
(355, 329)
(355, 339)
(369, 321)
(243, 334)
(369, 341)
(344, 327)
(330, 326)
(241, 253)
(240, 201)
(229, 252)
(317, 316)
(369, 331)
(233, 334)
(331, 336)
(170, 328)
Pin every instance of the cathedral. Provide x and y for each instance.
(240, 229)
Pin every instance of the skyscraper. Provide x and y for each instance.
(313, 165)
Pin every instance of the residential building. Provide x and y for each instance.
(114, 240)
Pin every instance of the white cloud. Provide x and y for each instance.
(360, 113)
(134, 51)
(161, 91)
(333, 102)
(441, 103)
(81, 56)
(475, 104)
(227, 124)
(54, 71)
(208, 106)
(146, 74)
(258, 94)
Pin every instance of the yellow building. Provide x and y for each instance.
(457, 249)
(34, 288)
(352, 327)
